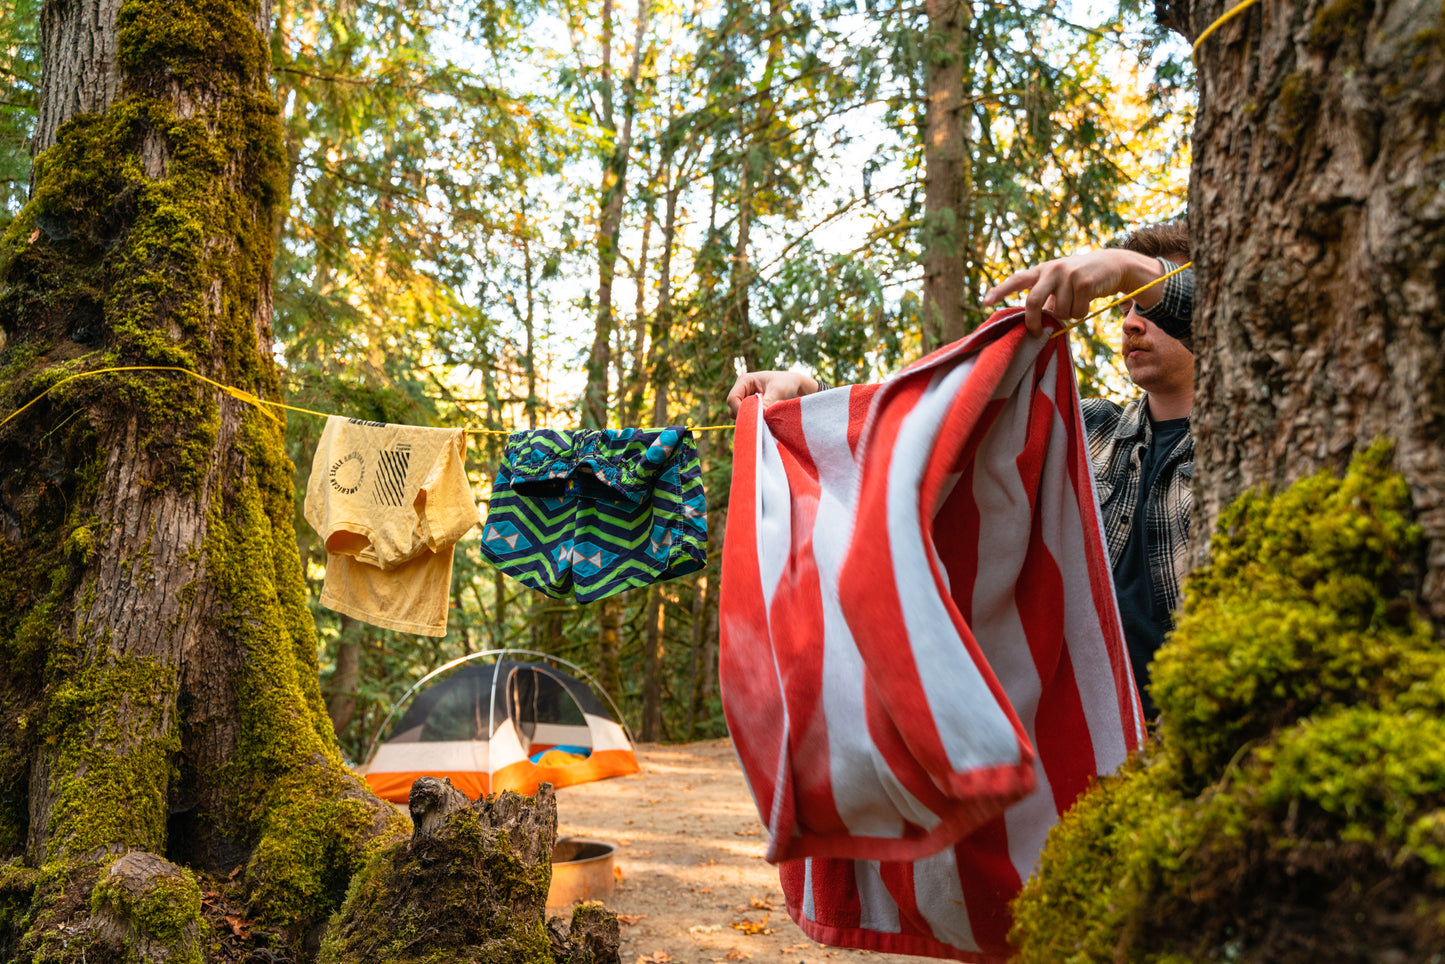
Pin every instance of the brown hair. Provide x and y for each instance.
(1158, 240)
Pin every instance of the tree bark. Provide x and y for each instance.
(652, 665)
(1318, 217)
(704, 629)
(341, 703)
(546, 622)
(948, 174)
(609, 644)
(79, 66)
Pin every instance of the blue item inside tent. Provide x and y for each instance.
(581, 751)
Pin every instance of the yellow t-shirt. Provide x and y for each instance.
(389, 502)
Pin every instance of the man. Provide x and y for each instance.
(1143, 452)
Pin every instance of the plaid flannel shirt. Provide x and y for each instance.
(1118, 436)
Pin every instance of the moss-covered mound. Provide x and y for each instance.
(1292, 804)
(470, 887)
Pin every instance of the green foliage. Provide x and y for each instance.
(19, 96)
(1290, 806)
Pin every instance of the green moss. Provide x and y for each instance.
(1306, 601)
(308, 852)
(112, 726)
(80, 544)
(310, 819)
(1298, 773)
(17, 887)
(167, 911)
(161, 270)
(1296, 110)
(1076, 908)
(461, 896)
(1338, 20)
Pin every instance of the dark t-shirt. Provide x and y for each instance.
(1145, 620)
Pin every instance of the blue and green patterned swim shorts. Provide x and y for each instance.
(596, 512)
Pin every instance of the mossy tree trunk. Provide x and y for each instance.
(159, 684)
(1317, 206)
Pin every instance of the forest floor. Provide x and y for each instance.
(691, 884)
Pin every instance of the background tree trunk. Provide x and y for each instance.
(160, 661)
(652, 665)
(611, 200)
(1318, 215)
(342, 687)
(948, 174)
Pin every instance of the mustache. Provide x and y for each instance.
(1132, 343)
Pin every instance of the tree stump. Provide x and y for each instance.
(149, 909)
(471, 885)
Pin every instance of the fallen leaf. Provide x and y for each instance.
(630, 919)
(704, 890)
(238, 926)
(707, 863)
(704, 928)
(746, 833)
(739, 956)
(616, 871)
(753, 928)
(656, 957)
(33, 235)
(762, 903)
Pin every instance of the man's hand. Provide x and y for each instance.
(1067, 285)
(773, 386)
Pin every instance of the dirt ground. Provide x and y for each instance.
(692, 886)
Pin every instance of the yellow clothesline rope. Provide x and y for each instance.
(1122, 298)
(242, 395)
(1229, 15)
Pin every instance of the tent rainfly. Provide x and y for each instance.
(507, 725)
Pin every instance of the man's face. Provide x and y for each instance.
(1157, 362)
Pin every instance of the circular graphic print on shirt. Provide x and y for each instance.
(347, 472)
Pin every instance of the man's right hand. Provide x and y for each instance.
(773, 386)
(1066, 286)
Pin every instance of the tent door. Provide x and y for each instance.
(522, 705)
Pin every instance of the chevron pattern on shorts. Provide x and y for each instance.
(595, 513)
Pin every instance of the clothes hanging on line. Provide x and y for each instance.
(597, 512)
(921, 659)
(389, 503)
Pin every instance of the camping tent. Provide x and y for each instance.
(506, 725)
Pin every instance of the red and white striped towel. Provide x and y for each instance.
(921, 663)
